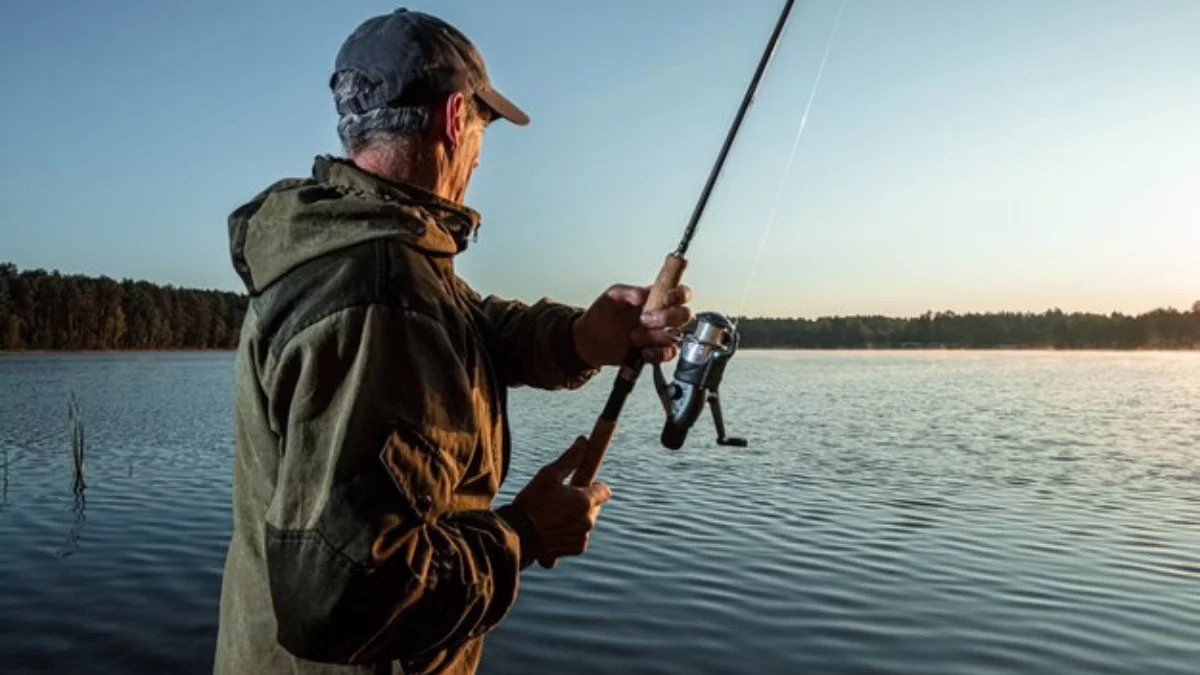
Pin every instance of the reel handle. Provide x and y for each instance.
(669, 276)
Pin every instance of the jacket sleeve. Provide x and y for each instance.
(534, 344)
(365, 559)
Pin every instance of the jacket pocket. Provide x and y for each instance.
(424, 474)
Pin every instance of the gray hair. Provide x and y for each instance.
(359, 130)
(387, 124)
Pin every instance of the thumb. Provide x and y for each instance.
(559, 469)
(631, 295)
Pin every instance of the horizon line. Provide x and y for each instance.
(747, 317)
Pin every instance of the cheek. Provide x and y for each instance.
(476, 151)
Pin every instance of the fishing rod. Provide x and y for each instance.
(706, 349)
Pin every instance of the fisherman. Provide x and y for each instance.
(371, 383)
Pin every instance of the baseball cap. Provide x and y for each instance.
(415, 58)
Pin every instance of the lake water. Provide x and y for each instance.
(896, 512)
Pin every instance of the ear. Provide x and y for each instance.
(454, 120)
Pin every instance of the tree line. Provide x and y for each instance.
(1054, 329)
(41, 310)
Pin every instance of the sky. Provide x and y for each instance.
(958, 155)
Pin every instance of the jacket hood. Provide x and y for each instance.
(298, 219)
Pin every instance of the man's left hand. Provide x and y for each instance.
(615, 323)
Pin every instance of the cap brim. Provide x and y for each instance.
(503, 107)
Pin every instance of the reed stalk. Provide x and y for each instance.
(78, 459)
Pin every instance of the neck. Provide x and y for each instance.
(424, 168)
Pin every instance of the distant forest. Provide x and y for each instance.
(1053, 329)
(41, 310)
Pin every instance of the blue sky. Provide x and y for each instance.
(959, 155)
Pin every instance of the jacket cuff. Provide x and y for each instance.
(566, 353)
(519, 521)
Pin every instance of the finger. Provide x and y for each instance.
(569, 533)
(680, 295)
(653, 355)
(599, 493)
(594, 515)
(651, 337)
(559, 469)
(576, 546)
(630, 295)
(673, 317)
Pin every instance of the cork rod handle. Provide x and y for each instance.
(669, 277)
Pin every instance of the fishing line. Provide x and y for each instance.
(812, 94)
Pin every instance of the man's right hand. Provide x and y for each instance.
(563, 515)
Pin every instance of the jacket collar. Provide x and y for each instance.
(456, 224)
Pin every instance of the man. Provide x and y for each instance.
(370, 398)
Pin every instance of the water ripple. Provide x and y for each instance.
(896, 513)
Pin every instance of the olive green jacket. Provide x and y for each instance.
(371, 433)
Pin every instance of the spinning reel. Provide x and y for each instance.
(704, 353)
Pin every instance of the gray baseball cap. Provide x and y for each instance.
(417, 58)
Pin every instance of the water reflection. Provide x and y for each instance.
(79, 517)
